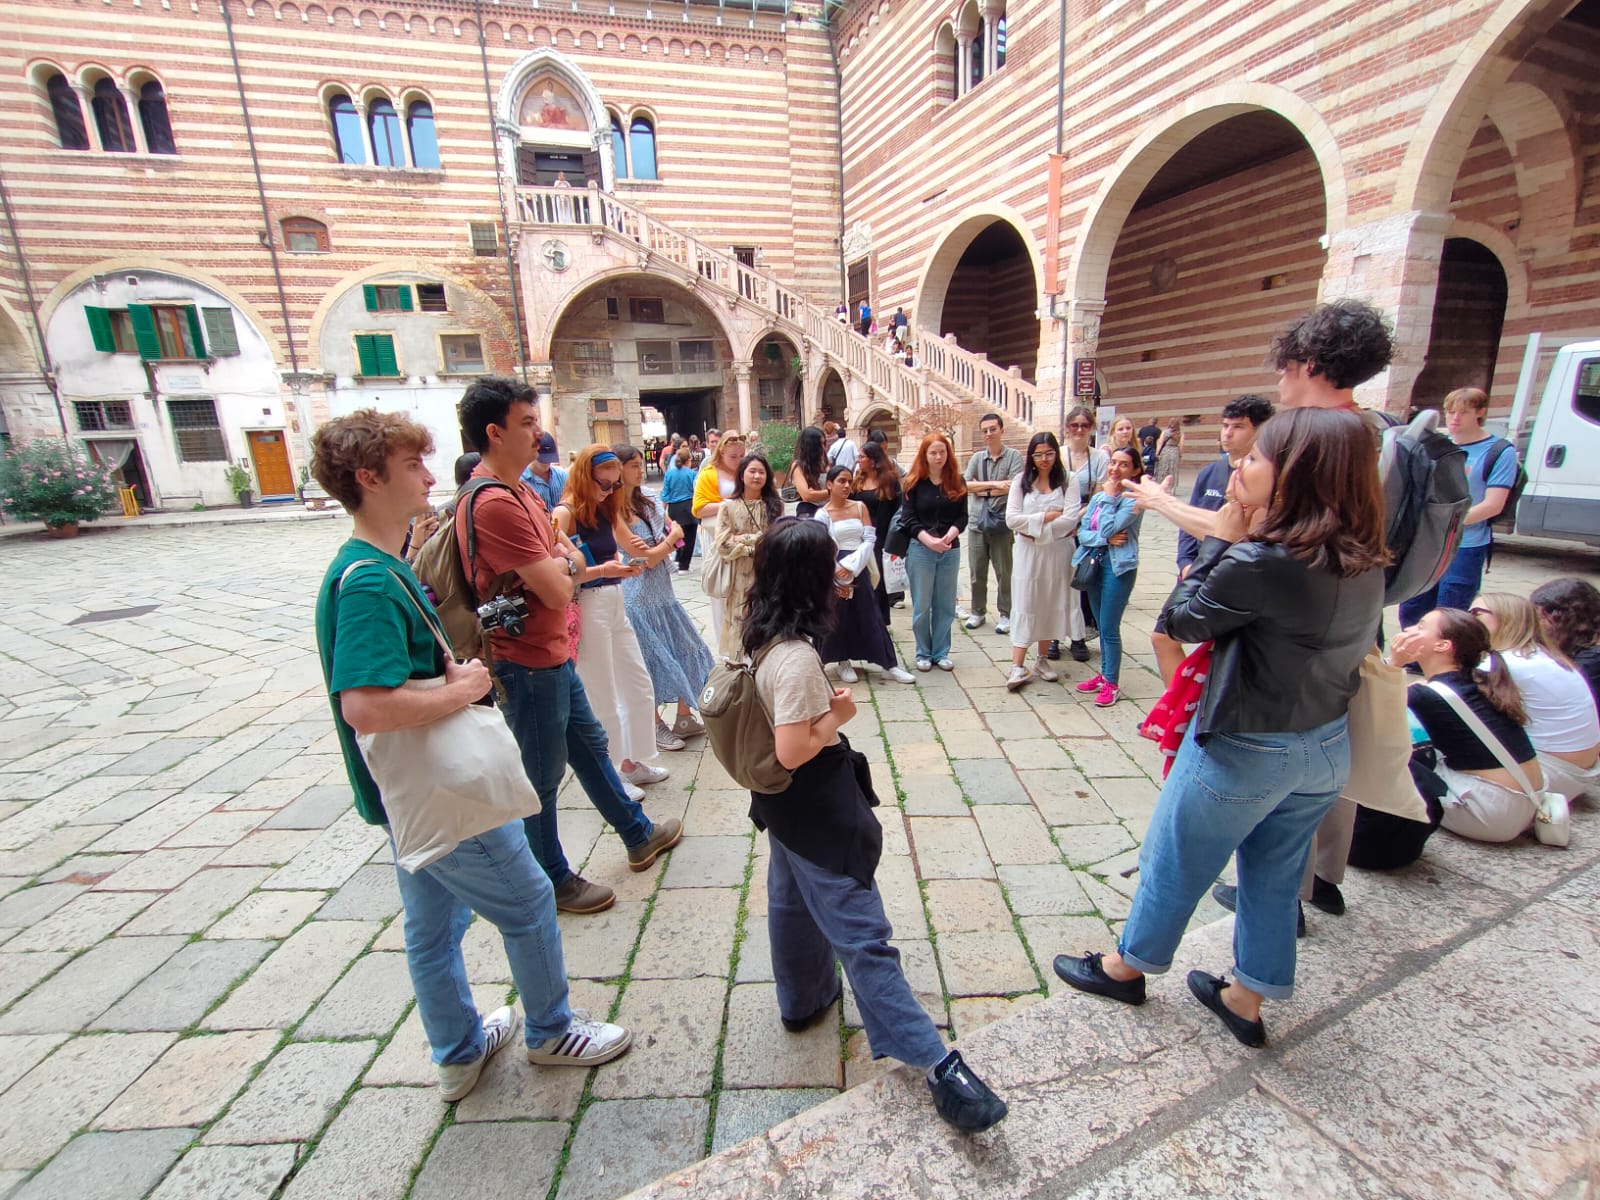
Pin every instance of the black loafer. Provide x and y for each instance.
(801, 1024)
(1208, 990)
(1087, 975)
(1227, 895)
(1079, 651)
(963, 1099)
(1054, 652)
(1326, 896)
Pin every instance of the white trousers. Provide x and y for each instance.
(1483, 810)
(1570, 779)
(612, 670)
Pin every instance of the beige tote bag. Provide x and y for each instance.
(1380, 743)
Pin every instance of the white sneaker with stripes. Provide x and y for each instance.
(586, 1043)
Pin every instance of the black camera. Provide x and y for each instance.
(508, 614)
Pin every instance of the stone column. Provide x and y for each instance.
(741, 374)
(90, 125)
(963, 64)
(1393, 263)
(130, 101)
(544, 379)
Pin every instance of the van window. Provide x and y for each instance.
(1586, 396)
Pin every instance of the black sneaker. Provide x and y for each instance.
(1327, 896)
(1227, 895)
(1079, 651)
(1208, 990)
(1054, 652)
(963, 1099)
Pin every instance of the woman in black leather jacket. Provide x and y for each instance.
(1290, 596)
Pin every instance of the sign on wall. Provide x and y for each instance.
(1083, 378)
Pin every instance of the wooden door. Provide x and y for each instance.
(270, 453)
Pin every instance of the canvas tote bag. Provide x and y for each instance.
(1380, 743)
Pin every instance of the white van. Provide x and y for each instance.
(1559, 445)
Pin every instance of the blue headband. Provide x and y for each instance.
(604, 456)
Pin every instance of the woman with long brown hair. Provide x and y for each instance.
(877, 485)
(742, 523)
(935, 513)
(1290, 594)
(1483, 800)
(610, 663)
(1085, 467)
(717, 482)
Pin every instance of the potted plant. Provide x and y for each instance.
(240, 483)
(778, 440)
(51, 481)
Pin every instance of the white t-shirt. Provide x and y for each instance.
(1561, 709)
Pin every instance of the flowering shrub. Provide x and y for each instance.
(50, 481)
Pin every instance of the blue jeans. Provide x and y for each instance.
(814, 918)
(550, 717)
(1262, 795)
(1457, 587)
(493, 874)
(1107, 602)
(932, 579)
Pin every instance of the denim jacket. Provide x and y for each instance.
(1115, 516)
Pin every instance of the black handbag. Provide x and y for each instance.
(897, 541)
(1086, 574)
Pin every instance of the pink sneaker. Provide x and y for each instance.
(1092, 685)
(1108, 696)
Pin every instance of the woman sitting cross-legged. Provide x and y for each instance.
(1483, 800)
(1290, 595)
(823, 907)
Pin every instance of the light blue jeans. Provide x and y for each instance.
(932, 579)
(495, 875)
(1262, 795)
(1108, 602)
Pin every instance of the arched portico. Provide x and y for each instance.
(982, 284)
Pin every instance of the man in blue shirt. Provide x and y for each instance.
(546, 479)
(1491, 473)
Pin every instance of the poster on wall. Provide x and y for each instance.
(1106, 415)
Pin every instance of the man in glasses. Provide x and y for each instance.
(990, 541)
(545, 704)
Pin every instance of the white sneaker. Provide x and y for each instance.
(944, 664)
(586, 1043)
(847, 673)
(1043, 669)
(900, 675)
(1018, 677)
(1003, 625)
(898, 604)
(634, 793)
(973, 622)
(645, 773)
(457, 1079)
(924, 664)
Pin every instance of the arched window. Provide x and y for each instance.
(424, 141)
(153, 116)
(348, 143)
(1000, 41)
(642, 148)
(977, 58)
(619, 147)
(70, 129)
(111, 118)
(384, 122)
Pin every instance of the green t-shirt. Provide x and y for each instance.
(370, 635)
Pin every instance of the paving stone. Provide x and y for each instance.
(989, 963)
(196, 903)
(407, 1057)
(368, 1000)
(158, 870)
(705, 862)
(266, 849)
(758, 1053)
(963, 905)
(690, 934)
(24, 908)
(1129, 798)
(1101, 758)
(192, 1082)
(755, 951)
(659, 1136)
(597, 946)
(159, 822)
(920, 758)
(107, 1166)
(125, 806)
(178, 993)
(372, 1147)
(1037, 889)
(42, 1110)
(371, 894)
(510, 1161)
(317, 808)
(228, 1173)
(714, 811)
(988, 782)
(1065, 798)
(294, 1094)
(747, 1114)
(39, 854)
(1111, 904)
(88, 985)
(19, 972)
(338, 852)
(157, 756)
(86, 870)
(1015, 834)
(293, 977)
(216, 829)
(268, 915)
(968, 1014)
(932, 795)
(1049, 936)
(512, 1088)
(676, 1026)
(20, 1053)
(1084, 845)
(949, 848)
(962, 744)
(82, 921)
(859, 1065)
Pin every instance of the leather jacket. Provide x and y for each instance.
(1287, 638)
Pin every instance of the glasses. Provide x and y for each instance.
(1040, 454)
(1079, 425)
(607, 488)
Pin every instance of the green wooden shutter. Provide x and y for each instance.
(405, 297)
(369, 293)
(366, 355)
(221, 335)
(144, 331)
(100, 329)
(195, 332)
(383, 352)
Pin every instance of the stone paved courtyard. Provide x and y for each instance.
(202, 986)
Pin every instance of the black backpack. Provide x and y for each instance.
(1506, 519)
(1426, 498)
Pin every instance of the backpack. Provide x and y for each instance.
(1425, 502)
(441, 571)
(1506, 519)
(739, 727)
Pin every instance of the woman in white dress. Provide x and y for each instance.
(1042, 511)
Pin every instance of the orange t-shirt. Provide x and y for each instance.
(512, 531)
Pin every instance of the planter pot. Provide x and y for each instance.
(70, 529)
(246, 499)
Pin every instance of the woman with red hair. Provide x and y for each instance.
(933, 514)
